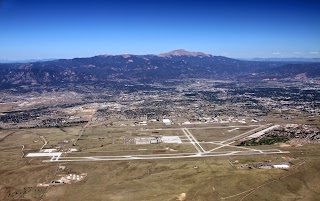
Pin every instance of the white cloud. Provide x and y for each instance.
(276, 53)
(314, 52)
(297, 52)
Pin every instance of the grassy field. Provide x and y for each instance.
(19, 176)
(213, 179)
(218, 134)
(196, 179)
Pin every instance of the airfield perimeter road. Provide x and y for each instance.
(83, 129)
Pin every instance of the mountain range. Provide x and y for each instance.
(177, 64)
(24, 61)
(290, 59)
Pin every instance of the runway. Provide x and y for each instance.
(200, 151)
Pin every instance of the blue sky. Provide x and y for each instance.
(240, 29)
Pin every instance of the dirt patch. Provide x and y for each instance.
(182, 197)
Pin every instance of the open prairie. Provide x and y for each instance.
(203, 178)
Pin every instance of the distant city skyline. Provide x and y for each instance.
(37, 29)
